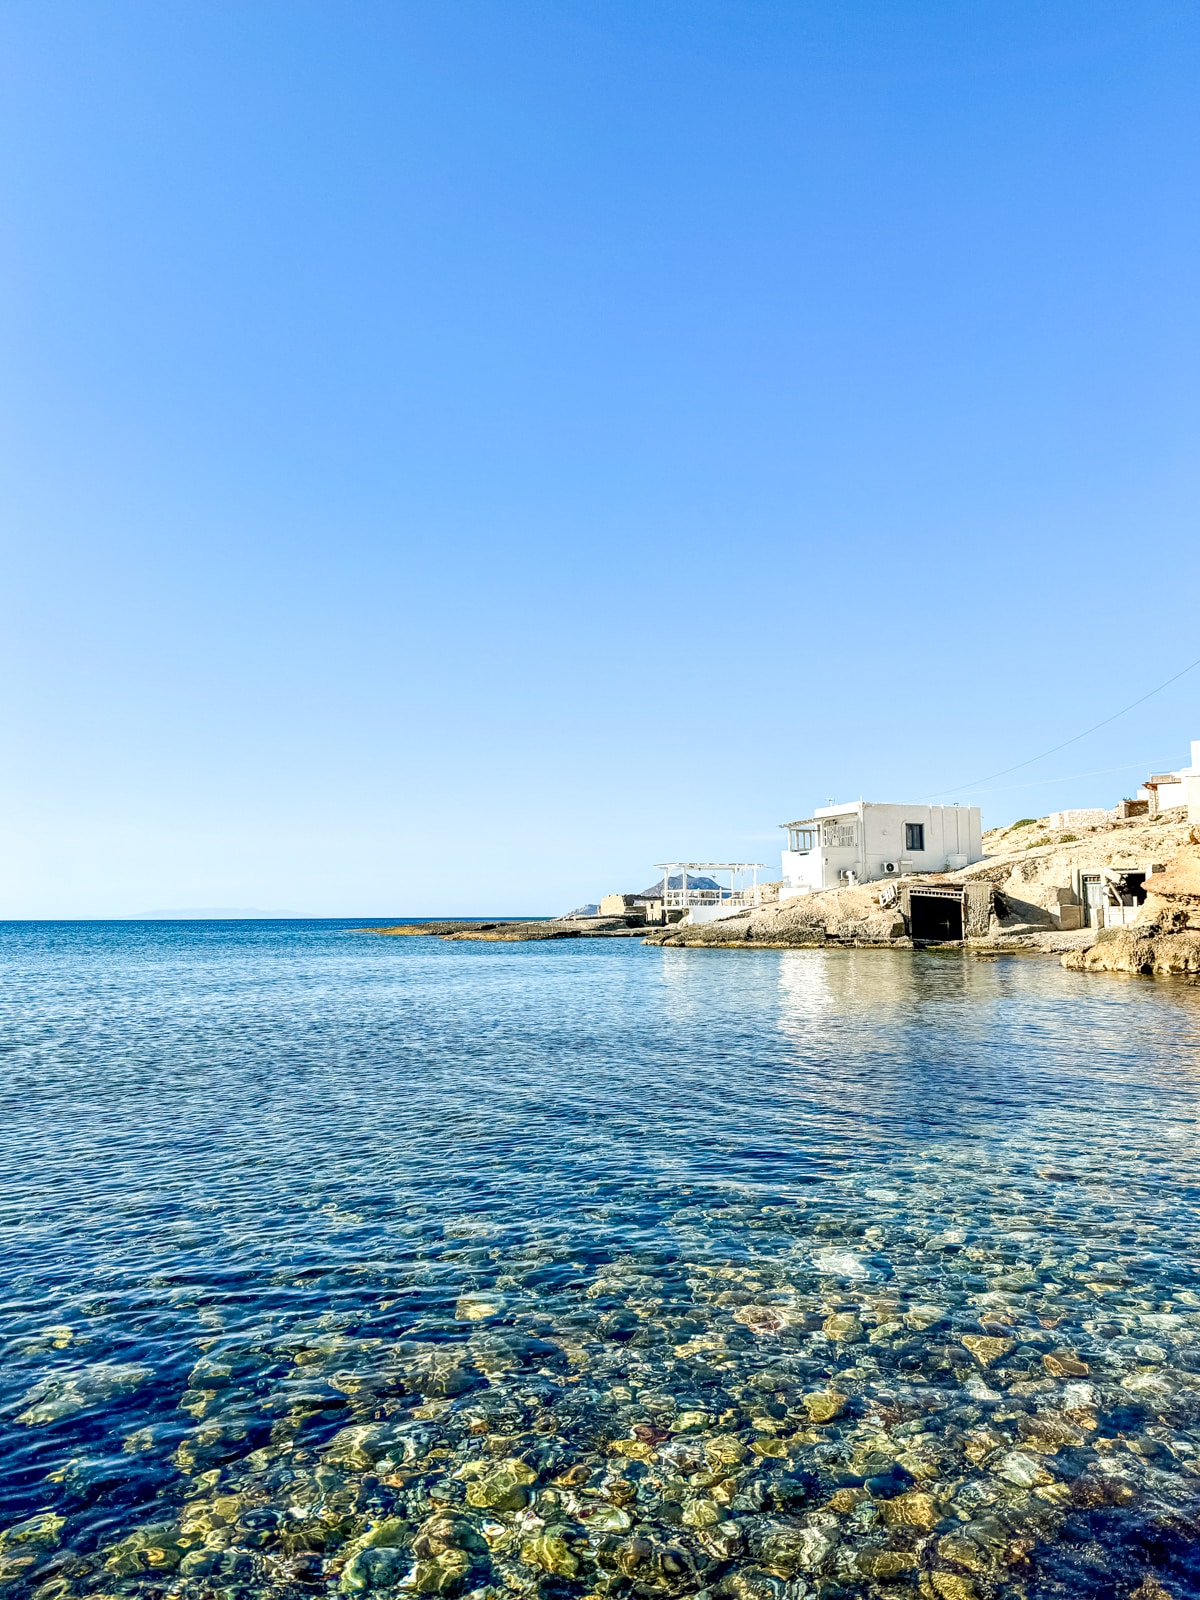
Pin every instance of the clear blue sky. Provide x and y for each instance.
(456, 455)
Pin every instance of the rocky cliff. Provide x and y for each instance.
(1165, 940)
(1032, 866)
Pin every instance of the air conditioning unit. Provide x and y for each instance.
(889, 867)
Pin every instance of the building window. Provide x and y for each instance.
(914, 836)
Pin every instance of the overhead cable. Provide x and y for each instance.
(960, 788)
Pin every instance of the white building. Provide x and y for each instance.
(1180, 788)
(857, 843)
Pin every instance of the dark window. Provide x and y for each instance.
(914, 836)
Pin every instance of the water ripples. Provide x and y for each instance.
(582, 1269)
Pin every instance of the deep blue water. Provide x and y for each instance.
(292, 1153)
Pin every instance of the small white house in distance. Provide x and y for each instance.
(857, 843)
(1179, 788)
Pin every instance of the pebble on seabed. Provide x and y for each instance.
(886, 1387)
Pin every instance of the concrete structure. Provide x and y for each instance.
(1082, 817)
(625, 905)
(646, 907)
(867, 839)
(1164, 790)
(710, 899)
(1106, 897)
(663, 901)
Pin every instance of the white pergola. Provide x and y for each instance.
(736, 893)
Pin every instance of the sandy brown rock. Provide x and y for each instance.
(1165, 940)
(1177, 888)
(1029, 865)
(1141, 950)
(838, 916)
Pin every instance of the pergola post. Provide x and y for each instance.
(735, 869)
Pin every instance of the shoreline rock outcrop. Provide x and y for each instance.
(1031, 870)
(840, 916)
(1165, 940)
(1033, 867)
(1025, 881)
(516, 931)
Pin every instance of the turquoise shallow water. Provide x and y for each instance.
(387, 1265)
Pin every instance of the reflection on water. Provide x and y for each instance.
(401, 1267)
(809, 990)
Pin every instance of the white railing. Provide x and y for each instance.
(684, 899)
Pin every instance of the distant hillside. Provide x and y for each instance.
(694, 881)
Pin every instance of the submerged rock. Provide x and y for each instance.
(43, 1529)
(154, 1547)
(914, 1383)
(986, 1349)
(60, 1396)
(823, 1405)
(553, 1550)
(501, 1486)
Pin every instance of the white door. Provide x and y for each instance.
(1093, 900)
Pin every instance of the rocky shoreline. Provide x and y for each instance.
(1026, 877)
(1016, 901)
(1165, 940)
(517, 931)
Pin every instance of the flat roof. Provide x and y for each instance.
(896, 805)
(852, 807)
(709, 866)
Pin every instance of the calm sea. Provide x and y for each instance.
(579, 1268)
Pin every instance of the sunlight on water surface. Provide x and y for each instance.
(392, 1266)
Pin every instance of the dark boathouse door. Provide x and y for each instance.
(936, 917)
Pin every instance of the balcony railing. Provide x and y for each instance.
(683, 899)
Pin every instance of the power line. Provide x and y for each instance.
(1068, 777)
(959, 788)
